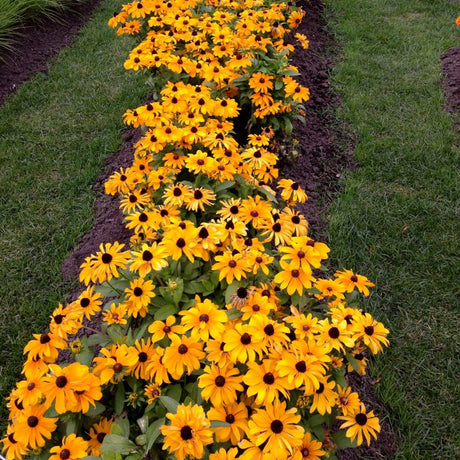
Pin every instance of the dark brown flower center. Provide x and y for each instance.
(61, 381)
(182, 349)
(361, 419)
(100, 437)
(354, 278)
(45, 338)
(230, 418)
(295, 273)
(186, 433)
(301, 366)
(334, 333)
(147, 256)
(245, 339)
(106, 258)
(269, 378)
(269, 329)
(84, 302)
(219, 381)
(180, 243)
(64, 454)
(142, 356)
(369, 330)
(277, 426)
(118, 368)
(138, 291)
(32, 421)
(204, 317)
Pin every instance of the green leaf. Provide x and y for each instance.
(163, 312)
(97, 410)
(316, 420)
(219, 424)
(153, 432)
(234, 313)
(141, 440)
(71, 425)
(118, 444)
(279, 84)
(288, 126)
(231, 289)
(98, 339)
(174, 391)
(224, 186)
(170, 403)
(51, 412)
(143, 423)
(351, 359)
(119, 399)
(85, 357)
(342, 441)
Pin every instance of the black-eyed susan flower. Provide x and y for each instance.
(187, 433)
(72, 447)
(231, 266)
(11, 447)
(353, 281)
(324, 397)
(220, 384)
(148, 258)
(293, 279)
(45, 346)
(361, 425)
(88, 303)
(114, 363)
(97, 433)
(104, 265)
(204, 319)
(310, 449)
(183, 355)
(32, 428)
(243, 342)
(156, 369)
(371, 332)
(276, 427)
(265, 382)
(347, 400)
(160, 329)
(236, 415)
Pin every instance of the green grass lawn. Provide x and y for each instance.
(397, 218)
(54, 134)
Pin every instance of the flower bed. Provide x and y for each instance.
(220, 334)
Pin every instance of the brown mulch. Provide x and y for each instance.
(451, 71)
(319, 165)
(37, 43)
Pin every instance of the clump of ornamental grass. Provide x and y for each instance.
(220, 334)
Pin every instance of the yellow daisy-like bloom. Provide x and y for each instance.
(116, 314)
(236, 415)
(88, 303)
(291, 191)
(361, 425)
(324, 397)
(310, 449)
(72, 448)
(277, 427)
(105, 264)
(371, 332)
(160, 329)
(329, 288)
(264, 381)
(115, 363)
(225, 454)
(348, 402)
(353, 281)
(188, 432)
(335, 334)
(304, 326)
(293, 279)
(204, 319)
(243, 343)
(231, 266)
(12, 448)
(45, 346)
(184, 353)
(200, 198)
(97, 434)
(153, 392)
(261, 83)
(145, 351)
(32, 428)
(31, 390)
(149, 258)
(60, 387)
(220, 384)
(140, 292)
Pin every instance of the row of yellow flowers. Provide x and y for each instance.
(217, 333)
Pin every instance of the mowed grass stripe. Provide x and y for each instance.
(397, 219)
(54, 134)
